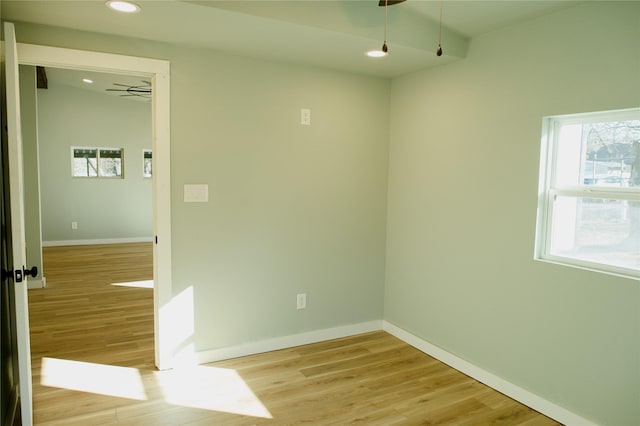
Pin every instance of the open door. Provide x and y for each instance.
(20, 270)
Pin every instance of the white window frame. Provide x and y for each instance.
(97, 149)
(547, 190)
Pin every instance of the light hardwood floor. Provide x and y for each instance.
(92, 351)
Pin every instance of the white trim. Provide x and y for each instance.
(278, 343)
(58, 243)
(625, 114)
(58, 57)
(35, 284)
(527, 398)
(159, 72)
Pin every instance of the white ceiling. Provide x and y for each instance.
(327, 33)
(100, 82)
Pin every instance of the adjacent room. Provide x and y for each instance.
(416, 205)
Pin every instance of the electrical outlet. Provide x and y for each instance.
(301, 301)
(74, 225)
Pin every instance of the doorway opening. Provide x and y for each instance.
(157, 73)
(96, 217)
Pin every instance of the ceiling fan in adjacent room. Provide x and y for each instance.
(383, 3)
(141, 90)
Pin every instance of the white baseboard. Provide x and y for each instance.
(281, 342)
(527, 398)
(562, 415)
(32, 284)
(96, 241)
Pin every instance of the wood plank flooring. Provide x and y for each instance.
(92, 352)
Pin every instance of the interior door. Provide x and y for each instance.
(9, 366)
(17, 224)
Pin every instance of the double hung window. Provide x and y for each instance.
(589, 197)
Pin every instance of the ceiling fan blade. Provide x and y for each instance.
(142, 90)
(383, 3)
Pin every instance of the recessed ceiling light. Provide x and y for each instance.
(376, 54)
(123, 6)
(87, 80)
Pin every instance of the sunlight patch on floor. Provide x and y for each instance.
(210, 388)
(139, 284)
(200, 387)
(122, 382)
(178, 335)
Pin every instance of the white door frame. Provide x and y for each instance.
(158, 72)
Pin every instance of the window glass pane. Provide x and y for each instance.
(604, 154)
(147, 163)
(110, 162)
(600, 230)
(85, 162)
(568, 155)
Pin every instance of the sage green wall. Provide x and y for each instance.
(291, 208)
(297, 208)
(463, 182)
(31, 180)
(104, 208)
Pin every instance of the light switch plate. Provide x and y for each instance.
(305, 116)
(196, 193)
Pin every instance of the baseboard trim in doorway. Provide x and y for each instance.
(277, 343)
(33, 284)
(59, 243)
(513, 391)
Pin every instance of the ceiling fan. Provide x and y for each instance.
(142, 90)
(383, 3)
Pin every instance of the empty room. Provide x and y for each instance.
(415, 212)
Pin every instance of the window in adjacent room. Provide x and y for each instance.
(147, 163)
(97, 162)
(589, 197)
